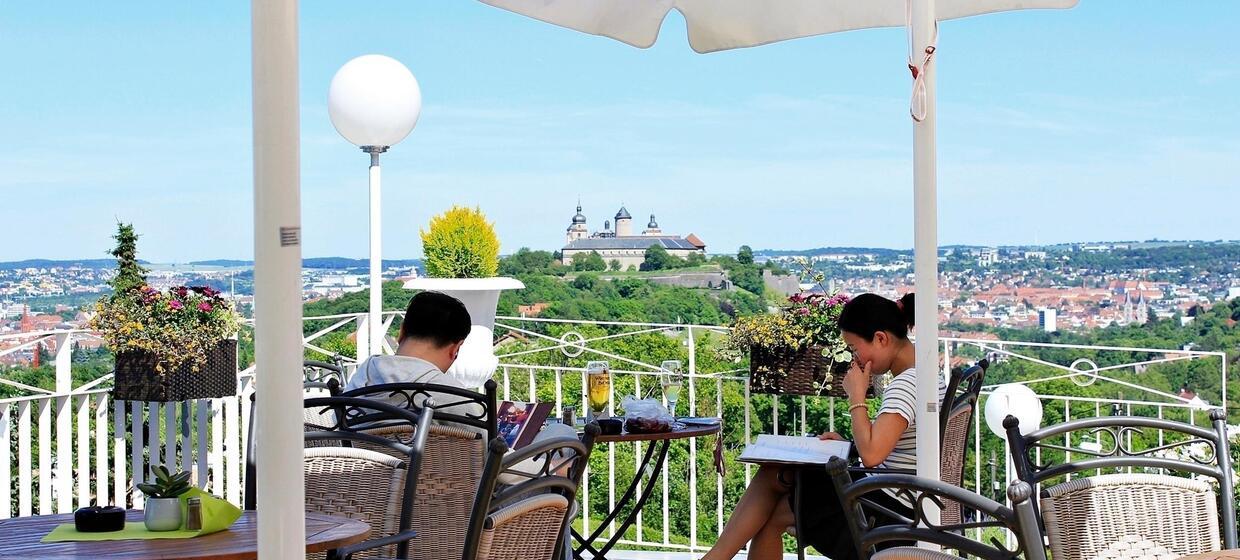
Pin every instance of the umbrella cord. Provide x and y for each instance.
(917, 105)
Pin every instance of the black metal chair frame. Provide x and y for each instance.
(413, 396)
(1217, 465)
(556, 454)
(953, 399)
(318, 374)
(868, 534)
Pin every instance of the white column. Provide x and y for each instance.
(925, 259)
(376, 259)
(277, 279)
(64, 423)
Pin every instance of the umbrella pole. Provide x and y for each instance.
(277, 280)
(925, 250)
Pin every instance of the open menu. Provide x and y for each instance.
(793, 450)
(519, 422)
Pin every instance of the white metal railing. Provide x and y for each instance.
(74, 446)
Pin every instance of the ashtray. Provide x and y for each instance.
(610, 426)
(95, 519)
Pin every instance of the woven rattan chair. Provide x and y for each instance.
(453, 465)
(1149, 513)
(881, 533)
(530, 518)
(363, 483)
(312, 420)
(955, 418)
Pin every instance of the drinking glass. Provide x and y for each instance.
(598, 383)
(671, 379)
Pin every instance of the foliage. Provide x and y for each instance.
(460, 243)
(591, 261)
(809, 320)
(613, 265)
(166, 485)
(129, 274)
(744, 255)
(657, 258)
(178, 326)
(749, 278)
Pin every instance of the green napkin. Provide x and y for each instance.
(217, 515)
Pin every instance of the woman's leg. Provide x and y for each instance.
(752, 513)
(768, 544)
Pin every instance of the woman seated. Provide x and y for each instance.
(876, 331)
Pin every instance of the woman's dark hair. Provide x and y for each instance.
(867, 314)
(436, 317)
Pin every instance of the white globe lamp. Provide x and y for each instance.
(374, 102)
(1013, 399)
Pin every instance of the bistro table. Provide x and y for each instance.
(20, 536)
(656, 452)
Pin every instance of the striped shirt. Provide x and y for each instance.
(900, 397)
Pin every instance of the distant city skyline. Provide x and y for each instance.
(1055, 126)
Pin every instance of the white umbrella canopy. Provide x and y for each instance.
(715, 25)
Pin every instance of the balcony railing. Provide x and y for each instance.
(74, 446)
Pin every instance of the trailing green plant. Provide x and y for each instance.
(809, 320)
(166, 485)
(460, 243)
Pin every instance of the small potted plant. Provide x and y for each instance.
(798, 351)
(163, 499)
(461, 256)
(170, 345)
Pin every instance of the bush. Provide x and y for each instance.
(460, 243)
(591, 261)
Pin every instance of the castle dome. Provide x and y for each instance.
(623, 214)
(579, 218)
(653, 224)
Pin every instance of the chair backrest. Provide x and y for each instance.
(875, 526)
(529, 517)
(1110, 515)
(1189, 451)
(321, 378)
(952, 457)
(963, 386)
(453, 405)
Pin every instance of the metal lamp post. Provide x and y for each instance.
(374, 102)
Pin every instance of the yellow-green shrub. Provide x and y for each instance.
(460, 243)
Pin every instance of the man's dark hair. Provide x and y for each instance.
(435, 317)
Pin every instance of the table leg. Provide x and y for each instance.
(657, 451)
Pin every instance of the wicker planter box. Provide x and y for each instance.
(137, 380)
(795, 373)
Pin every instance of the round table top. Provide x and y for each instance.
(681, 431)
(19, 538)
(1229, 554)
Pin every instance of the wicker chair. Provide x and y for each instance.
(530, 518)
(955, 417)
(453, 465)
(1146, 513)
(375, 487)
(882, 534)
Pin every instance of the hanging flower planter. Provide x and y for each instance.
(138, 376)
(796, 372)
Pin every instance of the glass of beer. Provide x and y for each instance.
(598, 387)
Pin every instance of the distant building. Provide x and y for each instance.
(1046, 319)
(621, 244)
(987, 257)
(1136, 309)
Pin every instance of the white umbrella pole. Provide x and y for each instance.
(376, 259)
(925, 253)
(277, 280)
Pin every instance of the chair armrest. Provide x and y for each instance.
(347, 551)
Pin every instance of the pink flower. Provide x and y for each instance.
(803, 311)
(204, 307)
(175, 305)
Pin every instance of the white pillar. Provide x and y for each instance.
(925, 259)
(376, 258)
(64, 423)
(277, 279)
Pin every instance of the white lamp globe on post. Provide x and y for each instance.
(1013, 399)
(374, 102)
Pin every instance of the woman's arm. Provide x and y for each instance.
(874, 440)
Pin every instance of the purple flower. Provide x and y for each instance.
(204, 307)
(802, 311)
(175, 305)
(797, 297)
(182, 291)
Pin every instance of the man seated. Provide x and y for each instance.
(429, 341)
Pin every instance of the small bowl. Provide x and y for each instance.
(610, 426)
(99, 519)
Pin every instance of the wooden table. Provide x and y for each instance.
(19, 538)
(1229, 554)
(656, 452)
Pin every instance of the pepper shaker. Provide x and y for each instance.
(193, 514)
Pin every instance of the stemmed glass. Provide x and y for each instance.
(598, 383)
(671, 379)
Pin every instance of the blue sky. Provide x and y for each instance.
(1114, 120)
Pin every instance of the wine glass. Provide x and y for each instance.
(598, 383)
(671, 379)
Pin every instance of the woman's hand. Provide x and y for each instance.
(831, 436)
(857, 381)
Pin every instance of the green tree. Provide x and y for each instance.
(614, 265)
(744, 255)
(657, 258)
(129, 274)
(747, 277)
(591, 261)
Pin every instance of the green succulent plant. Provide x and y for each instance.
(166, 485)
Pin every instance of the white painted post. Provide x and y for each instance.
(138, 462)
(376, 259)
(119, 475)
(362, 342)
(101, 450)
(83, 451)
(46, 442)
(200, 434)
(6, 471)
(277, 279)
(64, 424)
(925, 258)
(23, 459)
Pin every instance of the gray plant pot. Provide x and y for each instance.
(162, 514)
